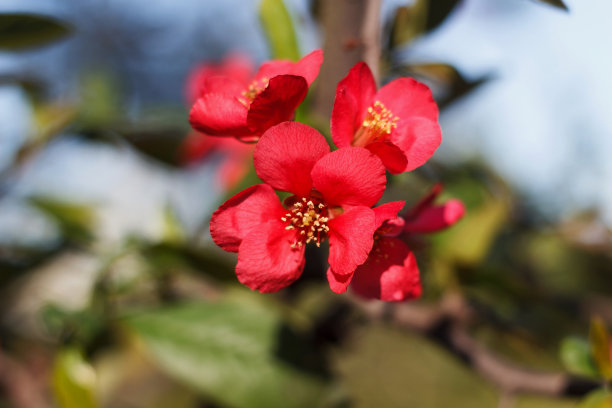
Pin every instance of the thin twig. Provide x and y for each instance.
(446, 323)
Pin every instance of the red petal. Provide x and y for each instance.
(338, 283)
(270, 69)
(435, 218)
(350, 176)
(418, 138)
(354, 95)
(277, 103)
(308, 67)
(235, 66)
(426, 201)
(219, 115)
(238, 67)
(408, 98)
(233, 169)
(249, 209)
(390, 273)
(222, 85)
(350, 239)
(196, 146)
(266, 261)
(285, 155)
(387, 211)
(392, 157)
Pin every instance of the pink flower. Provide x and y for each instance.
(332, 196)
(398, 123)
(391, 273)
(230, 106)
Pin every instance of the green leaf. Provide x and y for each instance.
(600, 347)
(236, 352)
(469, 241)
(597, 399)
(172, 232)
(576, 357)
(555, 3)
(22, 30)
(421, 17)
(75, 220)
(279, 30)
(74, 380)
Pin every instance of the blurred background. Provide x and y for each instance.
(113, 295)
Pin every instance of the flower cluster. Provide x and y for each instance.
(332, 194)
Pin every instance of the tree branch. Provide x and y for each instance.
(446, 324)
(352, 34)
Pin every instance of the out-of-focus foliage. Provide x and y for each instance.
(556, 3)
(278, 27)
(597, 399)
(164, 324)
(21, 31)
(238, 352)
(576, 357)
(419, 18)
(74, 380)
(600, 346)
(75, 220)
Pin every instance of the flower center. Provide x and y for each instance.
(378, 124)
(309, 219)
(254, 89)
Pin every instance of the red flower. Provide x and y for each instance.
(398, 123)
(426, 217)
(228, 106)
(236, 66)
(332, 196)
(235, 163)
(391, 273)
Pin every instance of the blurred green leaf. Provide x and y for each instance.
(74, 380)
(172, 232)
(597, 399)
(408, 23)
(22, 30)
(469, 241)
(555, 3)
(279, 29)
(50, 119)
(419, 18)
(100, 100)
(600, 347)
(239, 353)
(77, 327)
(576, 357)
(438, 11)
(75, 220)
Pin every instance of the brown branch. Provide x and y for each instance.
(446, 324)
(19, 385)
(352, 34)
(371, 32)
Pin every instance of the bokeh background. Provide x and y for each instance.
(113, 294)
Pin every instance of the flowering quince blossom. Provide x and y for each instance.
(235, 156)
(230, 106)
(391, 273)
(236, 66)
(333, 193)
(197, 146)
(398, 123)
